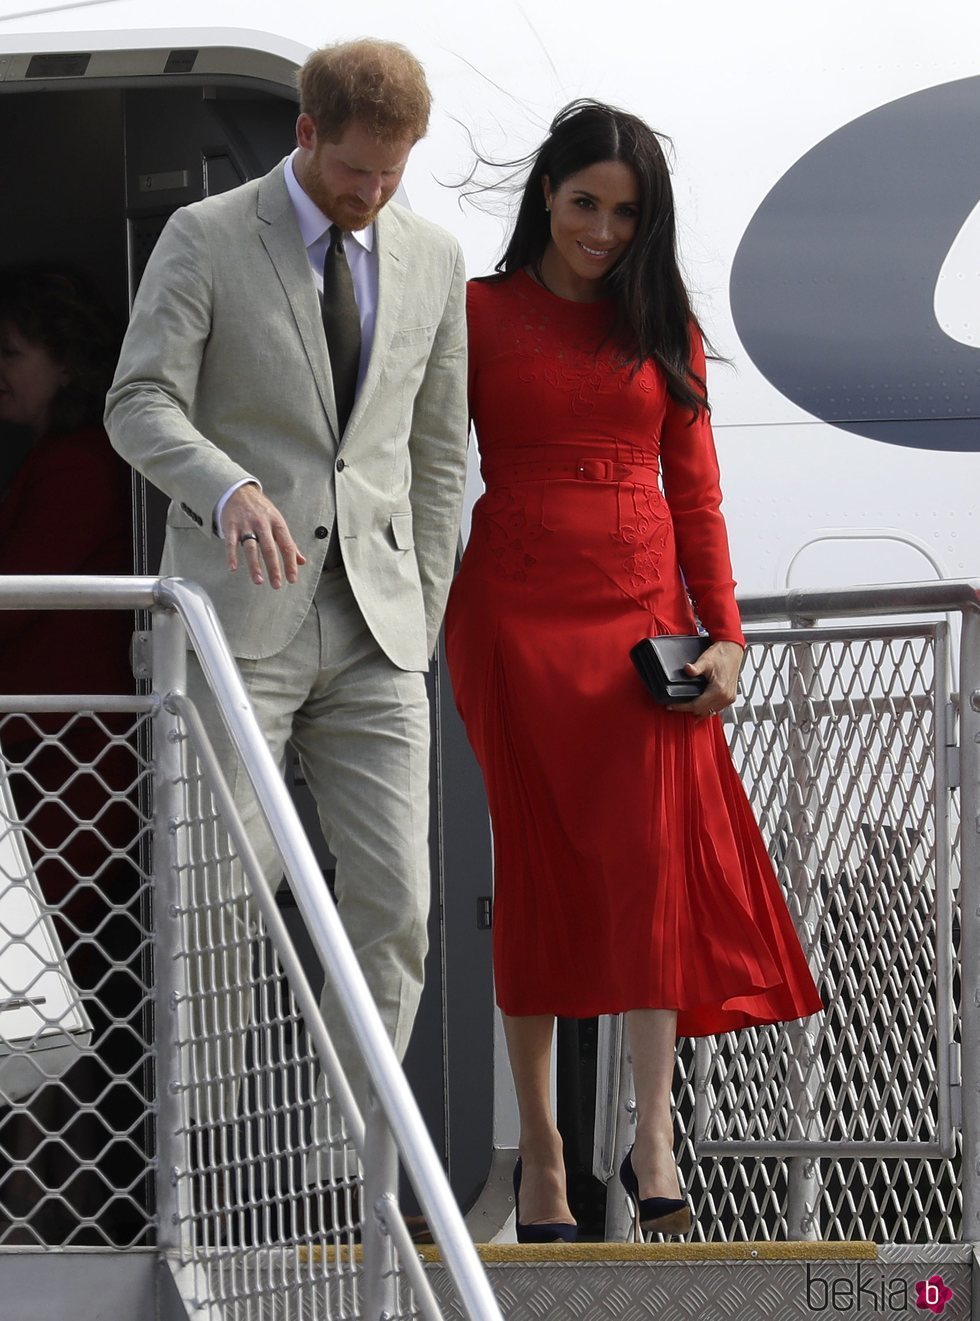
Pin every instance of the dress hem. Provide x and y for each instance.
(709, 1019)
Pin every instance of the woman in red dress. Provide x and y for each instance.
(629, 873)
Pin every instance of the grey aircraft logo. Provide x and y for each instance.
(833, 283)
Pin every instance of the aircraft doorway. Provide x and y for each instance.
(98, 169)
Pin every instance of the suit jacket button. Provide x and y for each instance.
(321, 532)
(341, 465)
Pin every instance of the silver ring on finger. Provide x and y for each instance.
(247, 536)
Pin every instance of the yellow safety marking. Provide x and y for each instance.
(666, 1252)
(524, 1253)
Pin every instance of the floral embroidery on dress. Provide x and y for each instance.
(509, 532)
(587, 369)
(645, 529)
(581, 380)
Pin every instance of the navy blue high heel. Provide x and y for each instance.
(653, 1215)
(553, 1232)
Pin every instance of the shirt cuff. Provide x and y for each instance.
(219, 508)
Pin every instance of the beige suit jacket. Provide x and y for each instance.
(224, 374)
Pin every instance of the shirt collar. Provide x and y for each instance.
(313, 224)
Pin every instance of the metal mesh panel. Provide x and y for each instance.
(741, 1198)
(840, 740)
(260, 1227)
(76, 1046)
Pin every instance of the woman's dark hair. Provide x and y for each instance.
(58, 308)
(654, 316)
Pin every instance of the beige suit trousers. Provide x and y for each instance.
(360, 727)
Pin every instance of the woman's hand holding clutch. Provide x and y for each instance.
(720, 665)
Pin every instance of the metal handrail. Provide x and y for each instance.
(956, 596)
(778, 616)
(331, 944)
(798, 606)
(959, 596)
(809, 603)
(37, 591)
(323, 924)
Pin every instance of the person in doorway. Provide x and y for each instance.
(73, 1170)
(293, 377)
(630, 876)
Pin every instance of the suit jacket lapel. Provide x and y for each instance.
(281, 238)
(391, 294)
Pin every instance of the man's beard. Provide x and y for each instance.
(344, 210)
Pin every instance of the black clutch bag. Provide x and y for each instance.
(660, 664)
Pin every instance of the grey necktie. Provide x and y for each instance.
(342, 325)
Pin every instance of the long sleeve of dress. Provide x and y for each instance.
(689, 466)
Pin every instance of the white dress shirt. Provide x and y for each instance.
(362, 258)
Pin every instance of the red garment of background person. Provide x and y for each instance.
(67, 511)
(73, 776)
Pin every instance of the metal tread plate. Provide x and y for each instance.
(749, 1290)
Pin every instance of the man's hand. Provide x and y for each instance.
(254, 528)
(719, 664)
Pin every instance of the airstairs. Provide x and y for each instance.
(158, 1161)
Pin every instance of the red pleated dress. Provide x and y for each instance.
(629, 871)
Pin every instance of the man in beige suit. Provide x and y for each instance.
(316, 491)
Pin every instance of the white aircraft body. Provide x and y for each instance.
(827, 182)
